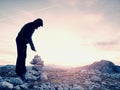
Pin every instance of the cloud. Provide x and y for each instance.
(108, 45)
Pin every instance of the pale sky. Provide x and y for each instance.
(75, 32)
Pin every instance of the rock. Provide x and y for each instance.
(77, 87)
(24, 86)
(88, 82)
(37, 67)
(15, 81)
(6, 85)
(30, 77)
(65, 88)
(117, 68)
(95, 86)
(45, 86)
(37, 60)
(35, 87)
(95, 79)
(44, 77)
(103, 66)
(1, 80)
(8, 70)
(17, 88)
(53, 88)
(59, 87)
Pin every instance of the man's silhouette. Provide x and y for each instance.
(25, 37)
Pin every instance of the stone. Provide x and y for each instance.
(95, 86)
(43, 76)
(6, 85)
(37, 67)
(37, 60)
(24, 86)
(77, 87)
(35, 87)
(17, 88)
(15, 81)
(30, 77)
(88, 82)
(95, 79)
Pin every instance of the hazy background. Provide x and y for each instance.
(75, 32)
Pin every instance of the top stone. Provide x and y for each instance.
(37, 60)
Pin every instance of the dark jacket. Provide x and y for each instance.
(25, 34)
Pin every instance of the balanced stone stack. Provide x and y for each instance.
(36, 72)
(38, 63)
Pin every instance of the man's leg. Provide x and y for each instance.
(23, 59)
(20, 64)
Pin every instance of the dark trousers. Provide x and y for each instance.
(21, 56)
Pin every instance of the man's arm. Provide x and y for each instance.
(31, 44)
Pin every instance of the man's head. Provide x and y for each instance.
(38, 22)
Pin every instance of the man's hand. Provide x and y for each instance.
(31, 44)
(33, 48)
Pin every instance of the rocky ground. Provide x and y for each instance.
(102, 75)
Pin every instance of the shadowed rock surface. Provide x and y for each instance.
(101, 75)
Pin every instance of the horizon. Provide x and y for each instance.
(75, 32)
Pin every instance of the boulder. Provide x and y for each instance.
(6, 86)
(15, 81)
(103, 66)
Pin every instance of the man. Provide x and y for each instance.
(25, 37)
